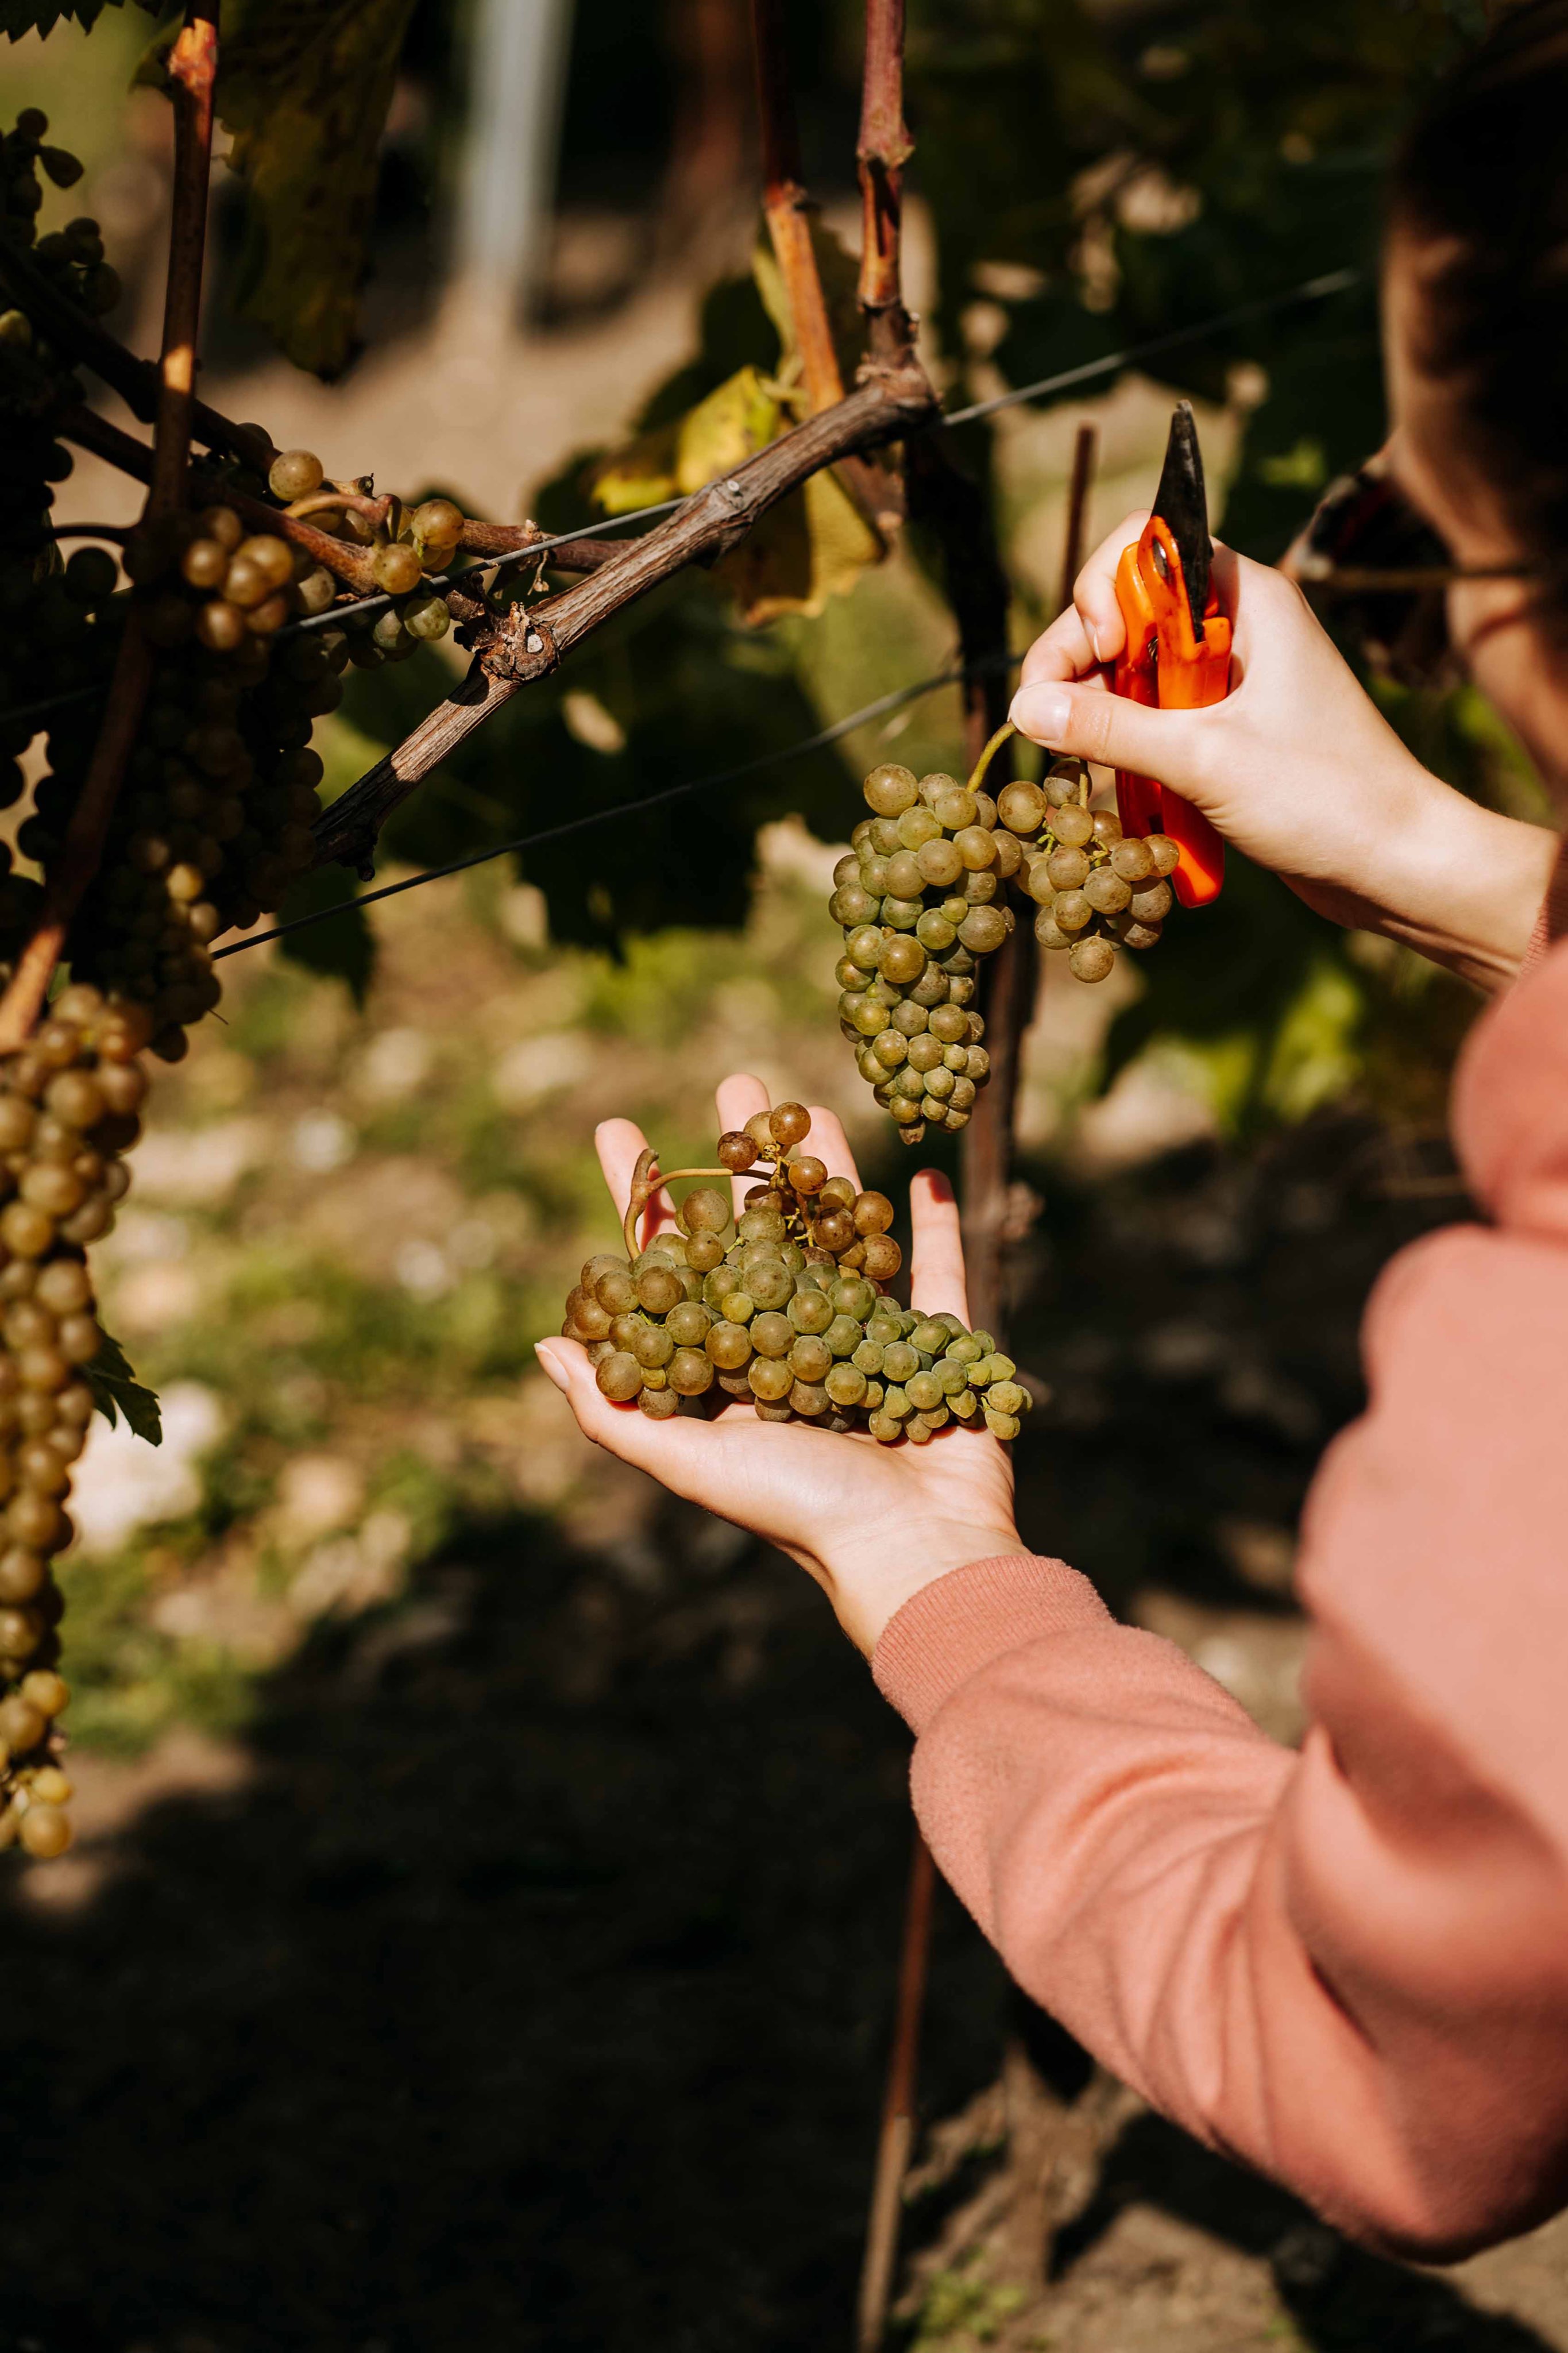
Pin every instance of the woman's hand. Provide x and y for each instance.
(872, 1524)
(1299, 769)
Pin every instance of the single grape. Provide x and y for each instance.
(1164, 854)
(398, 568)
(983, 929)
(1022, 808)
(1106, 891)
(1092, 959)
(1132, 859)
(890, 790)
(294, 474)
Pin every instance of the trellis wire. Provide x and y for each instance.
(1312, 290)
(618, 810)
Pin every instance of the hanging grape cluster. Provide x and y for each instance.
(68, 1113)
(921, 900)
(791, 1315)
(1096, 887)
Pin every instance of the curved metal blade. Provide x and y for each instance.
(1182, 504)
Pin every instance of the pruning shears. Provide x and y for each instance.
(1177, 654)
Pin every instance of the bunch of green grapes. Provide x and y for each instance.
(1097, 889)
(69, 1106)
(791, 1315)
(214, 819)
(405, 545)
(919, 899)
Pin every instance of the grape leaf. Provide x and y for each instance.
(19, 16)
(305, 86)
(814, 545)
(737, 419)
(343, 948)
(113, 1384)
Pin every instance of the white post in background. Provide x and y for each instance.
(517, 82)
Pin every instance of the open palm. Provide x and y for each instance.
(872, 1524)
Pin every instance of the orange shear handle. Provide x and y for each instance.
(1164, 664)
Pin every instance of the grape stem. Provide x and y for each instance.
(884, 147)
(787, 209)
(645, 1185)
(978, 777)
(192, 70)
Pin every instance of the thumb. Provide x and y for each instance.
(1172, 747)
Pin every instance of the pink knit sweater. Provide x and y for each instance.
(1348, 1967)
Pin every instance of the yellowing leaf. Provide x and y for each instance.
(641, 475)
(738, 417)
(814, 545)
(305, 85)
(722, 432)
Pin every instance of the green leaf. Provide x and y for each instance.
(304, 85)
(113, 1384)
(343, 948)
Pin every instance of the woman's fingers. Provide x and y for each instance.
(662, 1448)
(937, 1285)
(740, 1097)
(619, 1143)
(829, 1143)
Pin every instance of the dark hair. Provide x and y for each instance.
(1486, 166)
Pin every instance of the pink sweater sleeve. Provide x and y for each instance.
(1350, 1967)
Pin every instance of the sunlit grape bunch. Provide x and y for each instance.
(404, 544)
(214, 820)
(1096, 887)
(919, 901)
(70, 1107)
(789, 1315)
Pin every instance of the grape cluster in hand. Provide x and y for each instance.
(789, 1316)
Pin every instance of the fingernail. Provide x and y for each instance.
(1094, 640)
(550, 1364)
(1043, 712)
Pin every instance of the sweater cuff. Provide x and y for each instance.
(1551, 924)
(951, 1630)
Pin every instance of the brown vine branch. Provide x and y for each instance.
(788, 209)
(883, 148)
(530, 642)
(193, 66)
(348, 563)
